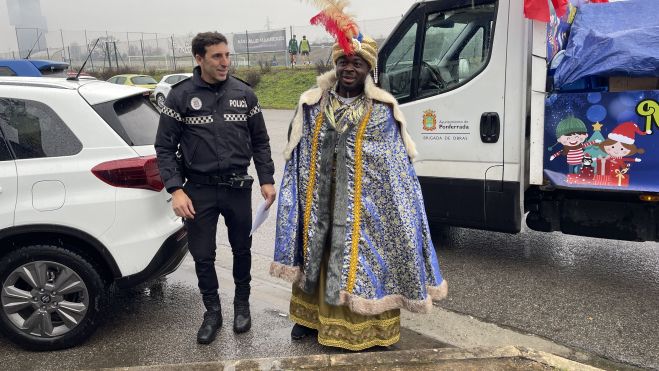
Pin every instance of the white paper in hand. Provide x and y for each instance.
(260, 216)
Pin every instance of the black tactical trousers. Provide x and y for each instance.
(235, 206)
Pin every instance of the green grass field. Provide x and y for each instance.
(281, 89)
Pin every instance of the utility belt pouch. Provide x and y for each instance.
(241, 181)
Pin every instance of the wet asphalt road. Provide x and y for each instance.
(599, 296)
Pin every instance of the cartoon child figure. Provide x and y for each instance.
(587, 171)
(619, 145)
(571, 133)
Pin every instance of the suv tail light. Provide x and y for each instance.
(138, 172)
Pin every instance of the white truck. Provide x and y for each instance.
(472, 80)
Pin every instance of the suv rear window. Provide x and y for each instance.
(133, 118)
(34, 130)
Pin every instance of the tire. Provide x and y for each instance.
(441, 236)
(160, 100)
(33, 314)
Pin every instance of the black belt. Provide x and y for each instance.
(209, 179)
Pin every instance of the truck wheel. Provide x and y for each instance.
(441, 236)
(51, 297)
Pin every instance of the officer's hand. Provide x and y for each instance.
(269, 194)
(182, 204)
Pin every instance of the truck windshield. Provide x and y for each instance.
(456, 46)
(442, 29)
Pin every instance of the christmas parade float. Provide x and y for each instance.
(601, 112)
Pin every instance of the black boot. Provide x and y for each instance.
(242, 321)
(299, 332)
(212, 319)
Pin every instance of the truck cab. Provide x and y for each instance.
(456, 67)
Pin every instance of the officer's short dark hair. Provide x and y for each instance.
(204, 39)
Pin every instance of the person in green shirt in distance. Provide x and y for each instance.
(292, 51)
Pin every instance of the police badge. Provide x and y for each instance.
(195, 103)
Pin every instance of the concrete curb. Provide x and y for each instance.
(508, 358)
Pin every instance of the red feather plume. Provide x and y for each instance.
(332, 26)
(337, 23)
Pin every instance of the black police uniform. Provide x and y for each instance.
(219, 128)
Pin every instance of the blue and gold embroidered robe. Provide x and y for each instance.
(381, 254)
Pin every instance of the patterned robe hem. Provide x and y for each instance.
(364, 306)
(343, 344)
(368, 307)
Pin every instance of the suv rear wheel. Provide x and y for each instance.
(51, 297)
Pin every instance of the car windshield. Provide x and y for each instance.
(143, 80)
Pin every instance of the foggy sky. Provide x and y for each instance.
(181, 17)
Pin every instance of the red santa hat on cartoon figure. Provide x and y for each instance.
(625, 133)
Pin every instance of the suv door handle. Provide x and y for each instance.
(490, 127)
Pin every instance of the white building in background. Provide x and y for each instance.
(29, 25)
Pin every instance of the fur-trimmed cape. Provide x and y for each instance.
(374, 225)
(327, 81)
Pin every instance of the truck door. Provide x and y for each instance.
(445, 62)
(8, 182)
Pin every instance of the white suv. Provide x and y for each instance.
(82, 205)
(165, 86)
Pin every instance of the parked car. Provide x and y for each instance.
(32, 67)
(80, 76)
(142, 81)
(82, 205)
(165, 85)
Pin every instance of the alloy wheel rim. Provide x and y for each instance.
(44, 299)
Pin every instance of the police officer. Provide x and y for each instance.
(210, 128)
